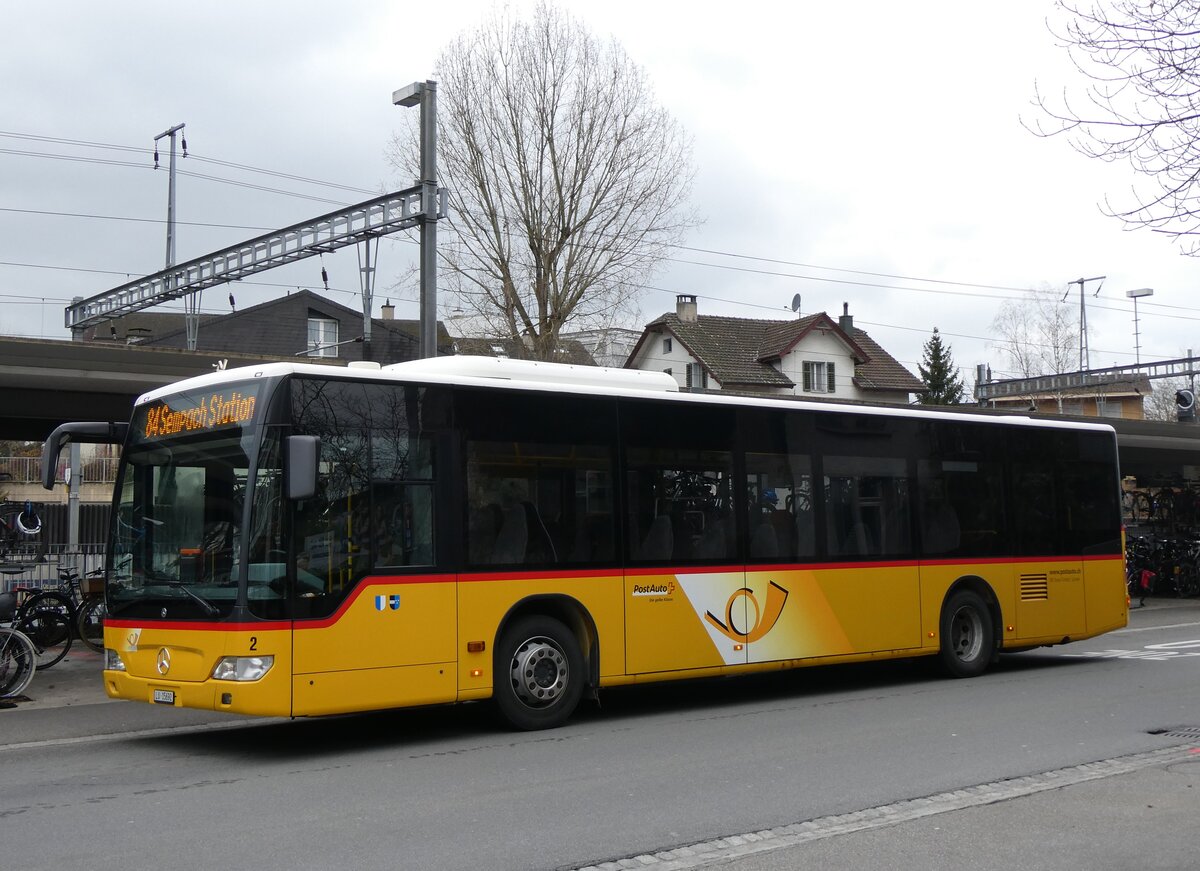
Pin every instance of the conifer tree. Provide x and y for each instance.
(940, 374)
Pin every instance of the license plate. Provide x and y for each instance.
(164, 697)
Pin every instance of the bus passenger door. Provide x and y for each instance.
(680, 618)
(375, 620)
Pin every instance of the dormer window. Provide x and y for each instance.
(818, 377)
(322, 337)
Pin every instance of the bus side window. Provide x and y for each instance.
(532, 503)
(779, 506)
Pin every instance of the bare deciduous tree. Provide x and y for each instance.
(1160, 405)
(1142, 105)
(1038, 335)
(568, 183)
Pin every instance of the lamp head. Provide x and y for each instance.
(409, 95)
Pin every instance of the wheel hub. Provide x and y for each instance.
(966, 633)
(539, 672)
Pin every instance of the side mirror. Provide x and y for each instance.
(300, 454)
(91, 432)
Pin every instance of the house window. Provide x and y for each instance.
(322, 337)
(697, 376)
(818, 377)
(666, 346)
(668, 371)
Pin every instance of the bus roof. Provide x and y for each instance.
(497, 372)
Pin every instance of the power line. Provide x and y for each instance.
(714, 252)
(191, 156)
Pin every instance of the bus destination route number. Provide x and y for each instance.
(188, 414)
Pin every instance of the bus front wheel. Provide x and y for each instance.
(968, 636)
(539, 673)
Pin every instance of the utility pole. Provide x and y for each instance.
(191, 302)
(424, 94)
(1084, 356)
(366, 271)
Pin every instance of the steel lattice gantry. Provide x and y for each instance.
(381, 216)
(1093, 378)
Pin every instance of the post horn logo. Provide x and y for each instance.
(760, 622)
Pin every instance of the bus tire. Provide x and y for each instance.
(539, 673)
(968, 635)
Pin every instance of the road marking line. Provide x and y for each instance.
(1153, 628)
(722, 850)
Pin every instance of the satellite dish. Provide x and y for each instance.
(796, 303)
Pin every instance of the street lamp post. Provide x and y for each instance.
(1135, 295)
(424, 94)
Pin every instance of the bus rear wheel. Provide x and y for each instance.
(539, 673)
(968, 635)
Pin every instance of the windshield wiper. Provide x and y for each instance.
(210, 609)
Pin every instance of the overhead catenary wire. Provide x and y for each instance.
(945, 283)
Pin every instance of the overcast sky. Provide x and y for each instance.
(869, 154)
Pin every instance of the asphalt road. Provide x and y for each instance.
(1075, 757)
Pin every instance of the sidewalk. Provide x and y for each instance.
(76, 680)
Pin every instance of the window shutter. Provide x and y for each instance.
(807, 386)
(690, 366)
(829, 370)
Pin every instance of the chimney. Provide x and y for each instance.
(388, 311)
(685, 307)
(846, 321)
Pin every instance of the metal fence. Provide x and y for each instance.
(28, 470)
(33, 560)
(41, 570)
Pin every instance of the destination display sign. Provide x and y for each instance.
(196, 412)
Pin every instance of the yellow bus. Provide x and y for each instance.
(294, 540)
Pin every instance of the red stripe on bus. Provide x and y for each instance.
(232, 626)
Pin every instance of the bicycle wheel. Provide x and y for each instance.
(1140, 508)
(18, 662)
(90, 623)
(50, 632)
(49, 600)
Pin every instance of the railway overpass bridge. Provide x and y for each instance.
(45, 382)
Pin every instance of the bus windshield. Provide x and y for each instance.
(181, 511)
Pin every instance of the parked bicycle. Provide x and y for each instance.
(80, 600)
(1140, 559)
(45, 624)
(1162, 567)
(18, 662)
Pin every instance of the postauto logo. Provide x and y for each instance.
(667, 589)
(759, 620)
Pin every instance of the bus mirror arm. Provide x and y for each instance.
(300, 461)
(90, 432)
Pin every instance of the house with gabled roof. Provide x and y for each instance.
(568, 351)
(812, 357)
(302, 323)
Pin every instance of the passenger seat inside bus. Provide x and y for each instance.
(764, 543)
(513, 537)
(659, 542)
(539, 544)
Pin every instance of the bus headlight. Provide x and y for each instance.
(112, 660)
(243, 668)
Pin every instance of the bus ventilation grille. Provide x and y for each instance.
(1034, 588)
